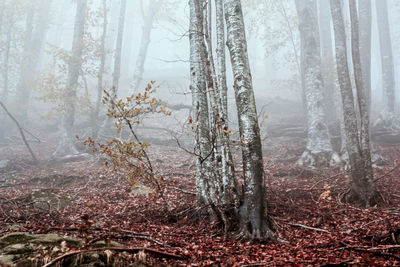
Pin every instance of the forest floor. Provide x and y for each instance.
(82, 199)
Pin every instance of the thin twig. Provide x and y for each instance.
(310, 228)
(21, 131)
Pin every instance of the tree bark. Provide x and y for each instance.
(387, 116)
(118, 52)
(362, 189)
(319, 150)
(253, 212)
(66, 145)
(200, 104)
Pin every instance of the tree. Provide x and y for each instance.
(100, 74)
(253, 212)
(327, 61)
(362, 189)
(387, 116)
(148, 21)
(35, 36)
(319, 150)
(66, 145)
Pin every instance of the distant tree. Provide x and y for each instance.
(66, 145)
(387, 116)
(327, 61)
(148, 20)
(118, 52)
(35, 36)
(319, 151)
(362, 188)
(101, 72)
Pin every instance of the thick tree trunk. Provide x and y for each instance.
(254, 219)
(387, 117)
(148, 18)
(66, 145)
(362, 190)
(319, 150)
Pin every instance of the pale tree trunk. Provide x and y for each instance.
(362, 189)
(365, 26)
(319, 151)
(200, 104)
(5, 70)
(1, 28)
(327, 61)
(253, 212)
(361, 94)
(229, 186)
(148, 18)
(100, 74)
(34, 41)
(118, 51)
(387, 116)
(66, 145)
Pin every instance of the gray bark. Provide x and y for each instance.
(362, 190)
(253, 212)
(200, 104)
(148, 18)
(229, 186)
(66, 145)
(387, 116)
(319, 150)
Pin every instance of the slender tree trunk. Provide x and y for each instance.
(66, 145)
(365, 17)
(200, 103)
(361, 96)
(319, 150)
(327, 61)
(362, 190)
(230, 190)
(118, 52)
(100, 86)
(34, 41)
(387, 117)
(254, 219)
(148, 18)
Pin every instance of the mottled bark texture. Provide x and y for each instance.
(362, 188)
(229, 184)
(198, 88)
(387, 116)
(253, 212)
(66, 145)
(148, 18)
(319, 150)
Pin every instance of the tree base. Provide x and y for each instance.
(352, 197)
(320, 159)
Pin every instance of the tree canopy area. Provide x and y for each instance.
(199, 133)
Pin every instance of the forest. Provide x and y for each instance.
(199, 133)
